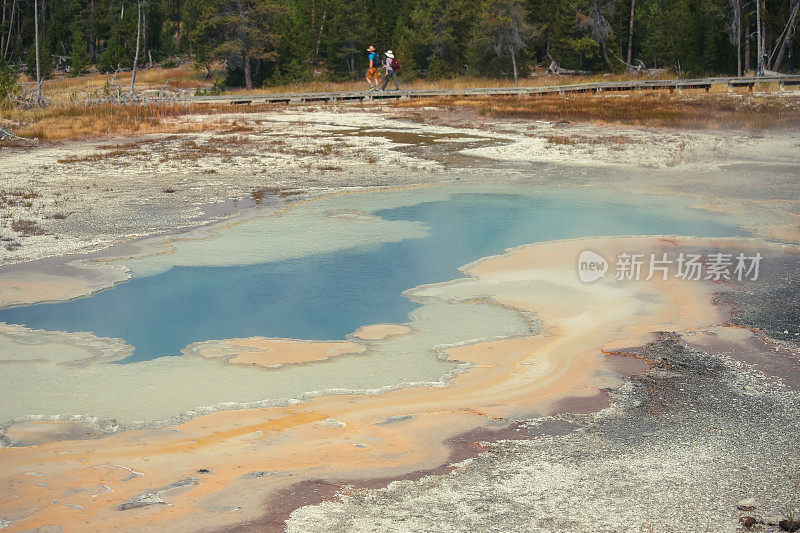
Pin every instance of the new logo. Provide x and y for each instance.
(591, 266)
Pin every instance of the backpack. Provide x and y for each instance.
(395, 65)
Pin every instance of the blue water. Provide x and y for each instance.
(329, 295)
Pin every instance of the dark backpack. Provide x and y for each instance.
(395, 65)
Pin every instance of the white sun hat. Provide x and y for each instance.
(390, 54)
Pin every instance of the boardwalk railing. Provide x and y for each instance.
(595, 87)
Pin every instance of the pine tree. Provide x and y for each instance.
(9, 83)
(79, 58)
(502, 28)
(239, 32)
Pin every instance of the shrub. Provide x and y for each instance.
(218, 87)
(9, 86)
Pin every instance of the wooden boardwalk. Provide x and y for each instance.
(596, 87)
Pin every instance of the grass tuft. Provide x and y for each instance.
(27, 227)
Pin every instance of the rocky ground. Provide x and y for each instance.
(69, 197)
(703, 441)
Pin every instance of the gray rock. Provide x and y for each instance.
(156, 497)
(747, 504)
(394, 420)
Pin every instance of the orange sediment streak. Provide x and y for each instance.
(353, 436)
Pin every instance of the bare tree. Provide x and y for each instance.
(319, 37)
(783, 40)
(760, 66)
(2, 28)
(10, 27)
(630, 35)
(596, 24)
(735, 30)
(350, 59)
(503, 29)
(748, 36)
(138, 40)
(39, 95)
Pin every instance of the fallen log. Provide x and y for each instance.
(554, 69)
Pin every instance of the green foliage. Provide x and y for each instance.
(218, 87)
(502, 31)
(169, 47)
(239, 32)
(291, 41)
(45, 59)
(169, 63)
(120, 48)
(9, 84)
(79, 58)
(584, 47)
(115, 56)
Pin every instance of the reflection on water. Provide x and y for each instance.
(328, 295)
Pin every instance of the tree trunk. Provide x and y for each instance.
(3, 28)
(138, 40)
(319, 37)
(747, 49)
(764, 59)
(789, 26)
(248, 81)
(630, 34)
(144, 32)
(514, 62)
(348, 59)
(604, 46)
(739, 41)
(759, 53)
(39, 95)
(10, 27)
(736, 29)
(36, 31)
(18, 44)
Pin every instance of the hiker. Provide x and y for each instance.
(372, 70)
(391, 67)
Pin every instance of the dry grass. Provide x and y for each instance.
(68, 120)
(64, 89)
(573, 140)
(23, 197)
(173, 148)
(261, 193)
(326, 149)
(76, 122)
(561, 140)
(27, 227)
(664, 110)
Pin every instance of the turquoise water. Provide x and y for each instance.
(327, 296)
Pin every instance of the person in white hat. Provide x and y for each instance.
(391, 65)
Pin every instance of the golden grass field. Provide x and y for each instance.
(658, 109)
(70, 118)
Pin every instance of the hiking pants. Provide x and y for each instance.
(386, 80)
